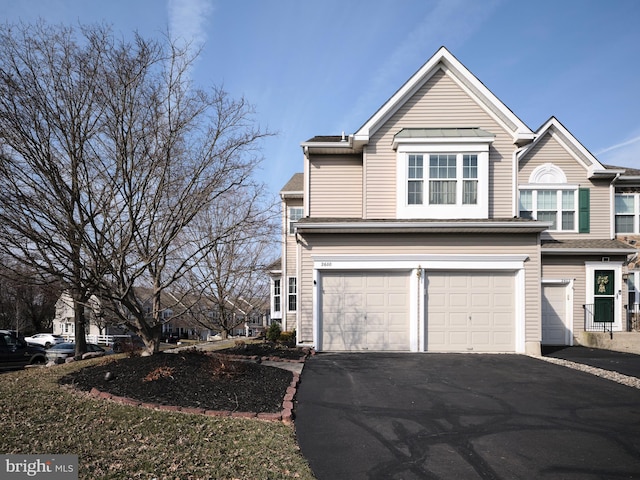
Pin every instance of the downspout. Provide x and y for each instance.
(514, 192)
(612, 207)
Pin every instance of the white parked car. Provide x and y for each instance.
(45, 340)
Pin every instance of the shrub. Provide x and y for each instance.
(288, 338)
(273, 334)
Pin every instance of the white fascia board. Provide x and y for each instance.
(583, 251)
(483, 142)
(418, 224)
(427, 261)
(522, 132)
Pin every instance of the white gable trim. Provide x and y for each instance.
(572, 146)
(444, 60)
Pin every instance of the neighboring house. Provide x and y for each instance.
(64, 320)
(252, 317)
(445, 224)
(627, 229)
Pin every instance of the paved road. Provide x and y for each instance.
(625, 363)
(448, 416)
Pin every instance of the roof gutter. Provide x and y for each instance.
(434, 227)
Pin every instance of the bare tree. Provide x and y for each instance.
(170, 152)
(26, 305)
(108, 155)
(48, 117)
(231, 279)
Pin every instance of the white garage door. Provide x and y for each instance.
(554, 308)
(365, 311)
(470, 312)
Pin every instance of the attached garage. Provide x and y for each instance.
(470, 311)
(364, 310)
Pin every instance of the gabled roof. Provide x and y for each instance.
(294, 187)
(572, 146)
(583, 246)
(444, 60)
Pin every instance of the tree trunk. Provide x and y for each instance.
(79, 321)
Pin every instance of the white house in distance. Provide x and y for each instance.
(445, 224)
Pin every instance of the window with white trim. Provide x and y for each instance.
(447, 182)
(626, 209)
(452, 179)
(277, 298)
(549, 198)
(293, 294)
(295, 214)
(557, 206)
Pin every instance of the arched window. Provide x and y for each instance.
(549, 198)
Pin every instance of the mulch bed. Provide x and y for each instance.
(189, 379)
(268, 350)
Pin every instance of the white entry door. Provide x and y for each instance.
(555, 327)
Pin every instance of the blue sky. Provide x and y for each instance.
(324, 66)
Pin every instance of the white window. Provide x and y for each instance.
(626, 213)
(447, 184)
(295, 214)
(293, 294)
(557, 206)
(277, 298)
(453, 179)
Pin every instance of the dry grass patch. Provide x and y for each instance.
(116, 441)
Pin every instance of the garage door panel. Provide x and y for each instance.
(458, 319)
(397, 321)
(480, 281)
(375, 300)
(458, 338)
(397, 300)
(470, 311)
(371, 306)
(374, 320)
(480, 300)
(458, 300)
(481, 319)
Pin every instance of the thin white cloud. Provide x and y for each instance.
(623, 154)
(619, 145)
(188, 20)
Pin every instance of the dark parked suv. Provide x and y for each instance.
(16, 353)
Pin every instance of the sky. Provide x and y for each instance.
(321, 67)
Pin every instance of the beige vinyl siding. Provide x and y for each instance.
(290, 264)
(443, 244)
(567, 268)
(440, 102)
(336, 186)
(550, 150)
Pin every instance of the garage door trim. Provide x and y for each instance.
(417, 264)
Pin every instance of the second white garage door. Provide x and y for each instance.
(470, 312)
(365, 311)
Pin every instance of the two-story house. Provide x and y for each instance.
(444, 224)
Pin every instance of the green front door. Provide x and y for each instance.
(604, 296)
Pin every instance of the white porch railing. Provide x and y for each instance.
(99, 339)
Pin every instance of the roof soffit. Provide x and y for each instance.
(445, 61)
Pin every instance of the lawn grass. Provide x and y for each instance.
(115, 441)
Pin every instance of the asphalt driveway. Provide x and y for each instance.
(463, 416)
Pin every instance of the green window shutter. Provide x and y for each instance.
(583, 210)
